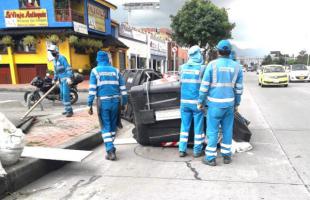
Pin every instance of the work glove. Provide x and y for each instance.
(69, 81)
(90, 110)
(236, 108)
(199, 106)
(55, 82)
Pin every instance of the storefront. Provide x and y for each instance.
(158, 51)
(137, 42)
(78, 27)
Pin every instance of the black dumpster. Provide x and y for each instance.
(133, 78)
(157, 116)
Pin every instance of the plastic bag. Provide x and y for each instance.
(11, 142)
(2, 171)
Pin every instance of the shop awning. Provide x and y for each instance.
(112, 41)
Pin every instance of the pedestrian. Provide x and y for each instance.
(191, 74)
(62, 75)
(221, 89)
(108, 85)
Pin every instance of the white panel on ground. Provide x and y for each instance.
(55, 154)
(125, 141)
(163, 115)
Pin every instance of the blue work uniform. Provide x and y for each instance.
(191, 74)
(221, 89)
(108, 85)
(62, 72)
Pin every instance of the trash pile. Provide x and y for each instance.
(11, 142)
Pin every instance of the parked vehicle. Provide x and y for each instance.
(273, 75)
(172, 75)
(299, 72)
(43, 85)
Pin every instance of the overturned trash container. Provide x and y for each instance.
(135, 77)
(157, 115)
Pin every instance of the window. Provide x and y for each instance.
(122, 61)
(29, 4)
(19, 47)
(3, 49)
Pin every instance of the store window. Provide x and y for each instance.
(142, 63)
(19, 47)
(3, 49)
(122, 61)
(69, 10)
(133, 62)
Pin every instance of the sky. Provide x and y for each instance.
(267, 25)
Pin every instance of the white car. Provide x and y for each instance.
(299, 72)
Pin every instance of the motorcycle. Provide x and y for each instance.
(43, 85)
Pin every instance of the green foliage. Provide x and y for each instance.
(88, 45)
(30, 40)
(73, 40)
(201, 22)
(54, 39)
(7, 40)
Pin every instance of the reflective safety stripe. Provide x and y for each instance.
(189, 101)
(211, 153)
(96, 74)
(198, 136)
(107, 74)
(108, 140)
(92, 92)
(211, 148)
(197, 142)
(222, 85)
(183, 139)
(109, 97)
(226, 145)
(184, 133)
(113, 133)
(202, 89)
(124, 93)
(67, 103)
(205, 83)
(227, 100)
(225, 151)
(106, 135)
(122, 87)
(92, 86)
(190, 81)
(235, 75)
(214, 75)
(239, 85)
(196, 72)
(100, 83)
(239, 91)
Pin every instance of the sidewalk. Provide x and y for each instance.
(82, 87)
(78, 132)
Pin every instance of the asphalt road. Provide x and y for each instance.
(277, 167)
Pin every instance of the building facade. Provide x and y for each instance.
(137, 42)
(79, 27)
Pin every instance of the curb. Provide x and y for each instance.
(28, 170)
(10, 103)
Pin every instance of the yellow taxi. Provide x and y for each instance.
(273, 75)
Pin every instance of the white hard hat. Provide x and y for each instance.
(53, 48)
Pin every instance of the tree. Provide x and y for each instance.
(267, 60)
(302, 58)
(201, 22)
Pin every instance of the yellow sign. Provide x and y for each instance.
(96, 17)
(25, 18)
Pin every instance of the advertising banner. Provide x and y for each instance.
(25, 18)
(96, 17)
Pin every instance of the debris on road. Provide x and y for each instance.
(11, 142)
(55, 154)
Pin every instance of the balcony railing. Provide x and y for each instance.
(68, 15)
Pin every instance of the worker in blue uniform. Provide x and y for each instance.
(221, 89)
(63, 76)
(108, 85)
(191, 75)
